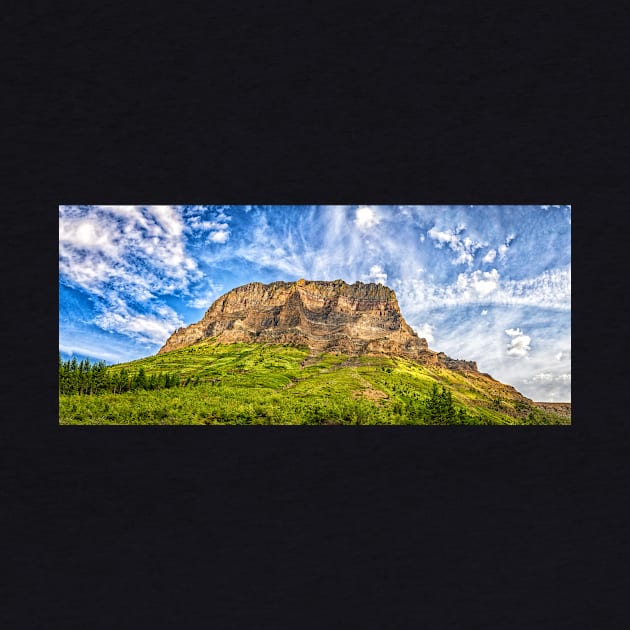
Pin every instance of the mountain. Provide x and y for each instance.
(305, 352)
(353, 319)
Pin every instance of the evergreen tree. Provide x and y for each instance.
(73, 374)
(438, 407)
(124, 381)
(140, 380)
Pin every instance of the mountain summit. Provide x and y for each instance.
(326, 316)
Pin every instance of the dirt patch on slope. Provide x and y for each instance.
(375, 395)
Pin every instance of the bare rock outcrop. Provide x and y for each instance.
(325, 316)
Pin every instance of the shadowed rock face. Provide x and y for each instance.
(352, 319)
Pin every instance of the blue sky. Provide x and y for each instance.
(490, 284)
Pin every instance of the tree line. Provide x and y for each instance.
(83, 377)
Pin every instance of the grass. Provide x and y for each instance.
(263, 384)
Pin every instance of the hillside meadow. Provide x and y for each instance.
(243, 384)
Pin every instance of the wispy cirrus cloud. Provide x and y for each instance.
(550, 290)
(145, 327)
(549, 386)
(205, 297)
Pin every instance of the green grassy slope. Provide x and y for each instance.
(262, 384)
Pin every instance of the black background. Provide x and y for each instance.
(223, 102)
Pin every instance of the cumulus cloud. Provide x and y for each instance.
(426, 331)
(460, 334)
(365, 218)
(519, 344)
(209, 222)
(464, 247)
(490, 256)
(221, 236)
(377, 274)
(478, 283)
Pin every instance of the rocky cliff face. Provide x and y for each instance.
(352, 319)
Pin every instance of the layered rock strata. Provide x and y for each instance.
(353, 319)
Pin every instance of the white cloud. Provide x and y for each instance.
(221, 236)
(441, 237)
(478, 283)
(377, 274)
(425, 331)
(88, 350)
(168, 217)
(140, 249)
(270, 247)
(502, 249)
(519, 344)
(485, 282)
(205, 300)
(365, 218)
(548, 377)
(465, 248)
(490, 256)
(142, 327)
(549, 386)
(209, 221)
(123, 255)
(551, 289)
(483, 339)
